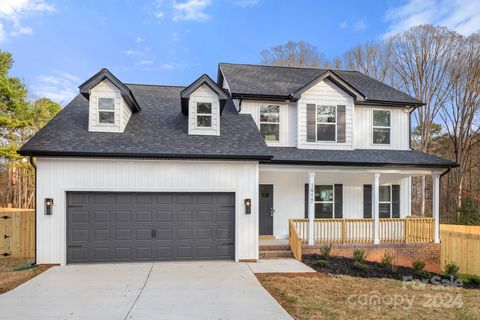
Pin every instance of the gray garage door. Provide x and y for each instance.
(117, 226)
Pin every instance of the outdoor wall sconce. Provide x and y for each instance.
(248, 206)
(48, 206)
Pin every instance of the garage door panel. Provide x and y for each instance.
(144, 226)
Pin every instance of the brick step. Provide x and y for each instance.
(275, 254)
(275, 247)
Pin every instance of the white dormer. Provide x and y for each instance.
(203, 103)
(111, 103)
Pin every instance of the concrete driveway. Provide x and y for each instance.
(161, 290)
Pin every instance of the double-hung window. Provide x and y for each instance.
(106, 110)
(381, 127)
(385, 202)
(204, 114)
(326, 123)
(270, 122)
(324, 200)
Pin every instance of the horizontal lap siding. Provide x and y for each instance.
(399, 132)
(57, 176)
(289, 198)
(287, 120)
(325, 93)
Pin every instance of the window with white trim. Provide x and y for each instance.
(381, 127)
(204, 114)
(385, 202)
(270, 122)
(326, 123)
(324, 201)
(106, 110)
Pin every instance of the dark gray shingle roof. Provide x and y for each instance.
(357, 157)
(282, 81)
(159, 130)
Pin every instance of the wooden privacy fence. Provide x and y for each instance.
(461, 244)
(17, 233)
(359, 231)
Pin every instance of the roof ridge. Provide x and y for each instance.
(153, 85)
(286, 67)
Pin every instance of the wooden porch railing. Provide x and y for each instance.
(359, 231)
(295, 241)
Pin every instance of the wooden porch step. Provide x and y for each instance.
(276, 254)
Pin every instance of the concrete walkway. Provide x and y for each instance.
(163, 290)
(279, 266)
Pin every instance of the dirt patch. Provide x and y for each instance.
(10, 279)
(332, 296)
(346, 266)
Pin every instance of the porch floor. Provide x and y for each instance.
(273, 242)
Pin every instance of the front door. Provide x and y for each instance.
(266, 210)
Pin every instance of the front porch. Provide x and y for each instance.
(343, 206)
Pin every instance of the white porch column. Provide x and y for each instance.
(436, 207)
(311, 206)
(376, 207)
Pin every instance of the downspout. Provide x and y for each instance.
(32, 163)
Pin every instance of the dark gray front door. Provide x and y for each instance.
(266, 209)
(129, 226)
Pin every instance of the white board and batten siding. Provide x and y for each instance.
(106, 89)
(399, 128)
(57, 176)
(325, 93)
(203, 94)
(289, 194)
(288, 120)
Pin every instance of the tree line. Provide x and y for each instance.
(20, 118)
(439, 67)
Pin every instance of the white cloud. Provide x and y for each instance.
(144, 62)
(175, 37)
(139, 40)
(14, 12)
(462, 16)
(191, 10)
(357, 26)
(131, 52)
(246, 3)
(60, 87)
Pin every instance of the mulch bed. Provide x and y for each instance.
(345, 266)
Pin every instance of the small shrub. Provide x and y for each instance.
(418, 265)
(325, 251)
(322, 263)
(469, 213)
(451, 269)
(387, 261)
(359, 255)
(361, 266)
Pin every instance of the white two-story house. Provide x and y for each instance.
(130, 172)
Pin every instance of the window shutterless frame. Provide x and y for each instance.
(264, 111)
(389, 127)
(106, 111)
(204, 114)
(333, 124)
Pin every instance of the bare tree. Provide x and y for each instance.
(293, 54)
(421, 57)
(460, 115)
(372, 59)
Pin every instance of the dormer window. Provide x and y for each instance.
(106, 110)
(204, 114)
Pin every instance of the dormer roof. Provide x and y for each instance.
(103, 74)
(204, 79)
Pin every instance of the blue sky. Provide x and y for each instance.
(59, 44)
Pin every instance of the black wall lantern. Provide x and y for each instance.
(48, 206)
(248, 206)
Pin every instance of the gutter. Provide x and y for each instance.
(32, 163)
